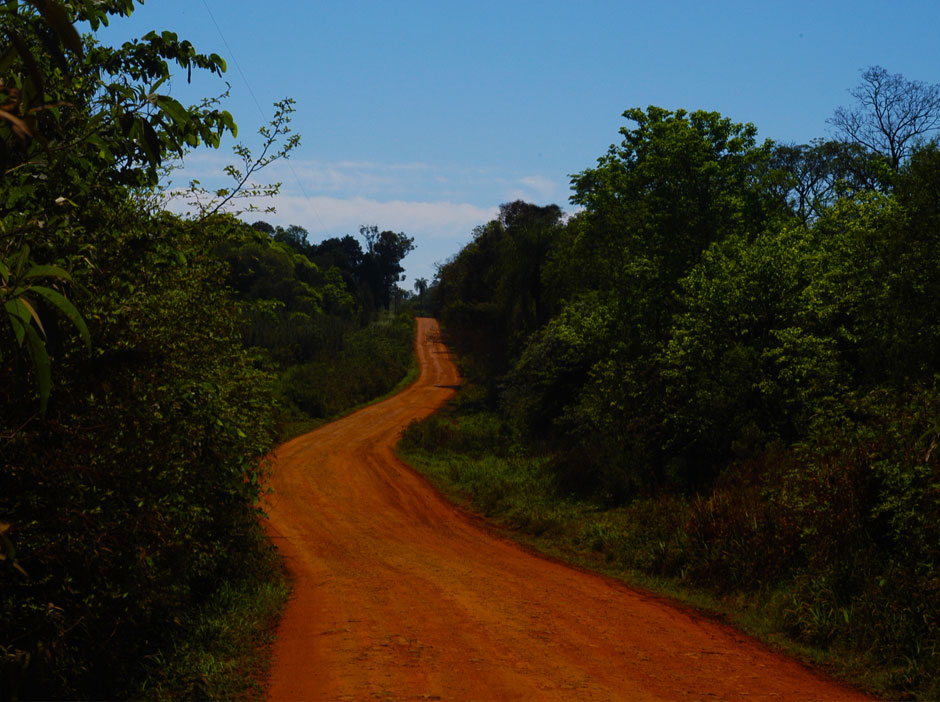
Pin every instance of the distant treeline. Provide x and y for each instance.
(749, 325)
(314, 309)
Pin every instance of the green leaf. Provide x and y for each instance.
(19, 318)
(29, 62)
(48, 271)
(54, 13)
(153, 88)
(67, 308)
(32, 313)
(151, 142)
(7, 58)
(37, 351)
(21, 260)
(229, 122)
(173, 109)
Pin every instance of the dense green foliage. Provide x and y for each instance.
(134, 497)
(145, 361)
(370, 363)
(741, 337)
(781, 546)
(312, 311)
(371, 275)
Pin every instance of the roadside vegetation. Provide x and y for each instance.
(317, 315)
(148, 363)
(724, 370)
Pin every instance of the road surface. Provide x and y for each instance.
(400, 596)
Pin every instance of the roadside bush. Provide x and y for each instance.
(865, 498)
(370, 363)
(133, 499)
(735, 539)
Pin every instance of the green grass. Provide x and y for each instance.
(225, 652)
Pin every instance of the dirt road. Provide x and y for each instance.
(400, 597)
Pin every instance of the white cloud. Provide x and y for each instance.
(330, 215)
(439, 205)
(382, 182)
(544, 188)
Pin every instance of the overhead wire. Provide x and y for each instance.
(264, 117)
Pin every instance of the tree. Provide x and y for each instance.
(891, 114)
(345, 254)
(294, 236)
(465, 293)
(132, 502)
(381, 264)
(530, 231)
(814, 176)
(421, 286)
(370, 233)
(492, 296)
(390, 249)
(677, 182)
(263, 226)
(79, 123)
(743, 365)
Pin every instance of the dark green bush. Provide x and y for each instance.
(133, 499)
(370, 363)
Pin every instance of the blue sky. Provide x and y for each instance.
(424, 116)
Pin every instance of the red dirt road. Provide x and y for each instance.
(399, 596)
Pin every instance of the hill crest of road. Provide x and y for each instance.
(398, 595)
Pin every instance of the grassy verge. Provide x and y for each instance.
(467, 455)
(225, 651)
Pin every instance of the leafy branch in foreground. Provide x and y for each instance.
(79, 123)
(278, 142)
(18, 288)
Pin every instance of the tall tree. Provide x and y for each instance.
(677, 182)
(814, 176)
(530, 230)
(389, 251)
(294, 236)
(381, 267)
(891, 113)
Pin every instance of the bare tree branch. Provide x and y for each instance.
(890, 115)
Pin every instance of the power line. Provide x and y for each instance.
(264, 117)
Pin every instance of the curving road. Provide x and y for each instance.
(400, 596)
